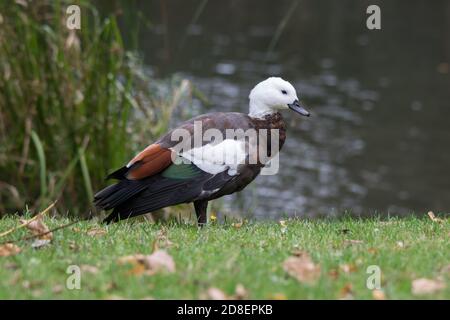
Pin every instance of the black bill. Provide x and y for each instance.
(298, 108)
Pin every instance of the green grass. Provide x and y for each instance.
(223, 256)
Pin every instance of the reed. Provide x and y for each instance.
(73, 104)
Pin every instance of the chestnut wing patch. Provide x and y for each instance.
(150, 161)
(147, 163)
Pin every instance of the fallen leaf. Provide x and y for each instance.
(89, 269)
(240, 293)
(38, 227)
(95, 232)
(216, 294)
(137, 270)
(9, 249)
(378, 294)
(427, 286)
(348, 268)
(39, 243)
(302, 268)
(57, 289)
(237, 225)
(434, 218)
(346, 293)
(372, 250)
(159, 261)
(334, 274)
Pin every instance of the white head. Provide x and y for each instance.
(272, 95)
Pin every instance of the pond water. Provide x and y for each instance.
(378, 140)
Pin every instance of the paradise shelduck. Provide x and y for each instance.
(182, 167)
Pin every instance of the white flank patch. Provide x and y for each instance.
(215, 158)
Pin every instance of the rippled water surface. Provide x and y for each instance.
(379, 136)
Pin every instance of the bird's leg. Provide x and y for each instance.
(200, 210)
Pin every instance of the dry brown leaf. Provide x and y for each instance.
(427, 286)
(9, 249)
(96, 232)
(302, 268)
(237, 225)
(378, 294)
(137, 270)
(434, 218)
(38, 216)
(372, 250)
(334, 274)
(89, 269)
(346, 293)
(159, 261)
(216, 294)
(240, 293)
(57, 289)
(348, 268)
(38, 227)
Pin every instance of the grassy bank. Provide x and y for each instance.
(244, 261)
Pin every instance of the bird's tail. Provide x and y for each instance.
(114, 195)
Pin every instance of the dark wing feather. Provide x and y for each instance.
(162, 191)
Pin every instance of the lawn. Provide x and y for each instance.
(233, 259)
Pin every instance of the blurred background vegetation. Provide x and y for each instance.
(76, 105)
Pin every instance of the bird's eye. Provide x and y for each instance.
(283, 91)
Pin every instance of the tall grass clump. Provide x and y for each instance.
(74, 104)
